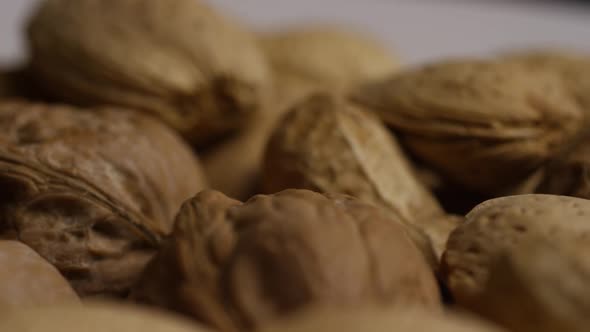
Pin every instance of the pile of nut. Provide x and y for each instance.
(165, 168)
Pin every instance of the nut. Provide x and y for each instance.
(327, 144)
(372, 320)
(541, 285)
(91, 191)
(178, 60)
(573, 66)
(95, 317)
(27, 280)
(500, 224)
(486, 124)
(307, 58)
(238, 265)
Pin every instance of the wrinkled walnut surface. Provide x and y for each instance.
(91, 191)
(238, 265)
(177, 59)
(27, 280)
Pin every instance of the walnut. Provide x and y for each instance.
(238, 265)
(92, 191)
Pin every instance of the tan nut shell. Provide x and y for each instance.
(573, 66)
(177, 59)
(327, 144)
(500, 224)
(27, 280)
(95, 317)
(486, 124)
(540, 286)
(91, 191)
(305, 58)
(371, 320)
(238, 265)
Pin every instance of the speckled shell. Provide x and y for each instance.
(500, 224)
(238, 265)
(541, 285)
(92, 191)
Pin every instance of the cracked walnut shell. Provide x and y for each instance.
(176, 59)
(238, 265)
(91, 191)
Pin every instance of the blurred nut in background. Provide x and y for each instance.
(95, 317)
(27, 280)
(572, 65)
(91, 191)
(240, 265)
(177, 59)
(305, 58)
(488, 125)
(497, 226)
(379, 320)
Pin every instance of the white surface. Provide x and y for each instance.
(419, 30)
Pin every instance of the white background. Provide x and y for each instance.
(419, 30)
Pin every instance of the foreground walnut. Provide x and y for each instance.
(486, 124)
(238, 265)
(95, 317)
(541, 285)
(176, 59)
(27, 280)
(497, 226)
(374, 320)
(327, 144)
(91, 191)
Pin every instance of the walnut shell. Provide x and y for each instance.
(91, 191)
(486, 124)
(238, 265)
(177, 59)
(500, 224)
(371, 320)
(95, 317)
(27, 280)
(541, 285)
